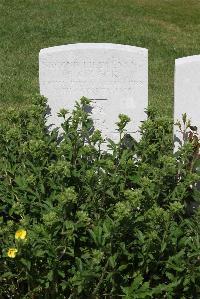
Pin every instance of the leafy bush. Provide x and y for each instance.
(77, 222)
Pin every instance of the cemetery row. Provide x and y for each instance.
(115, 78)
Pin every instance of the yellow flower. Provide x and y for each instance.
(12, 252)
(20, 234)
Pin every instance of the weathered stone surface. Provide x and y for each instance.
(187, 91)
(114, 76)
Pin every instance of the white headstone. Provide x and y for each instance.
(187, 91)
(114, 77)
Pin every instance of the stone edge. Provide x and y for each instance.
(82, 46)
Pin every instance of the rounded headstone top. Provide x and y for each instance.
(82, 46)
(187, 59)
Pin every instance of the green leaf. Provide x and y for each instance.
(50, 275)
(112, 261)
(26, 263)
(61, 273)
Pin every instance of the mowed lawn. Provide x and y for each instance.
(168, 28)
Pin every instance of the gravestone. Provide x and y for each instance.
(114, 77)
(187, 92)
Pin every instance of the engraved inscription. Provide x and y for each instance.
(114, 76)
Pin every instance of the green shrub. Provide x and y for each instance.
(77, 222)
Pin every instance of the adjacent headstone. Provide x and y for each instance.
(114, 77)
(187, 92)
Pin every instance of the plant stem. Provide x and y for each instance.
(101, 279)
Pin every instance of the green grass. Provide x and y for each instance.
(168, 28)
